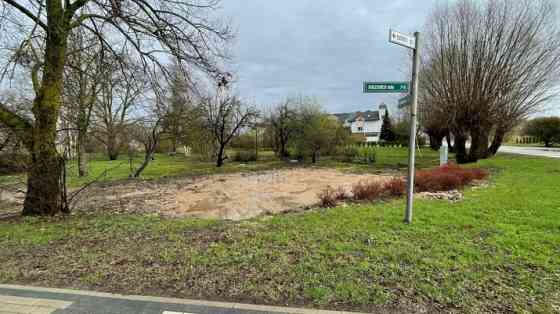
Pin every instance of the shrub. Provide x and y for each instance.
(244, 141)
(395, 187)
(340, 194)
(360, 154)
(447, 177)
(368, 191)
(367, 154)
(245, 156)
(347, 153)
(327, 197)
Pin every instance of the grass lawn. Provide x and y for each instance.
(496, 251)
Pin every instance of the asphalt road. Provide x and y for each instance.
(531, 151)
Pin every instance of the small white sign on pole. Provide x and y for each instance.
(443, 154)
(402, 39)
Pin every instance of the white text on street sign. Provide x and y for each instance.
(402, 39)
(385, 87)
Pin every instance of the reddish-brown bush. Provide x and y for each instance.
(447, 177)
(444, 178)
(368, 191)
(327, 197)
(395, 187)
(340, 194)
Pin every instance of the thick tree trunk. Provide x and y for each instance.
(45, 183)
(461, 149)
(112, 148)
(435, 141)
(496, 142)
(479, 145)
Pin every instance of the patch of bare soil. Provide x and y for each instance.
(225, 196)
(242, 196)
(11, 198)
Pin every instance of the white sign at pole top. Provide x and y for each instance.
(402, 39)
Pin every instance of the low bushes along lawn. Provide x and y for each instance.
(443, 178)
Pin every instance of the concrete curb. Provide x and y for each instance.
(229, 305)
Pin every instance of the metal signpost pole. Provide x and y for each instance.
(412, 142)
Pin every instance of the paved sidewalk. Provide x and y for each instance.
(32, 300)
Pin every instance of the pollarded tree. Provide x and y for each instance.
(547, 129)
(487, 65)
(151, 28)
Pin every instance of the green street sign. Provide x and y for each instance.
(385, 87)
(404, 102)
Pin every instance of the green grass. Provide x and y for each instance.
(496, 251)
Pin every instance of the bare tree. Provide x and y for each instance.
(487, 66)
(152, 28)
(119, 92)
(180, 107)
(84, 72)
(224, 116)
(147, 131)
(282, 121)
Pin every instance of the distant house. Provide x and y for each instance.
(366, 125)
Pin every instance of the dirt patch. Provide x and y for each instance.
(242, 196)
(225, 196)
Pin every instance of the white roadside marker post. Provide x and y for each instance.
(414, 44)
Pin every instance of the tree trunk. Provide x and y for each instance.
(45, 183)
(82, 154)
(435, 141)
(147, 158)
(112, 148)
(461, 149)
(496, 142)
(314, 157)
(220, 161)
(174, 145)
(283, 150)
(479, 145)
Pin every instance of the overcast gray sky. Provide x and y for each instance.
(321, 48)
